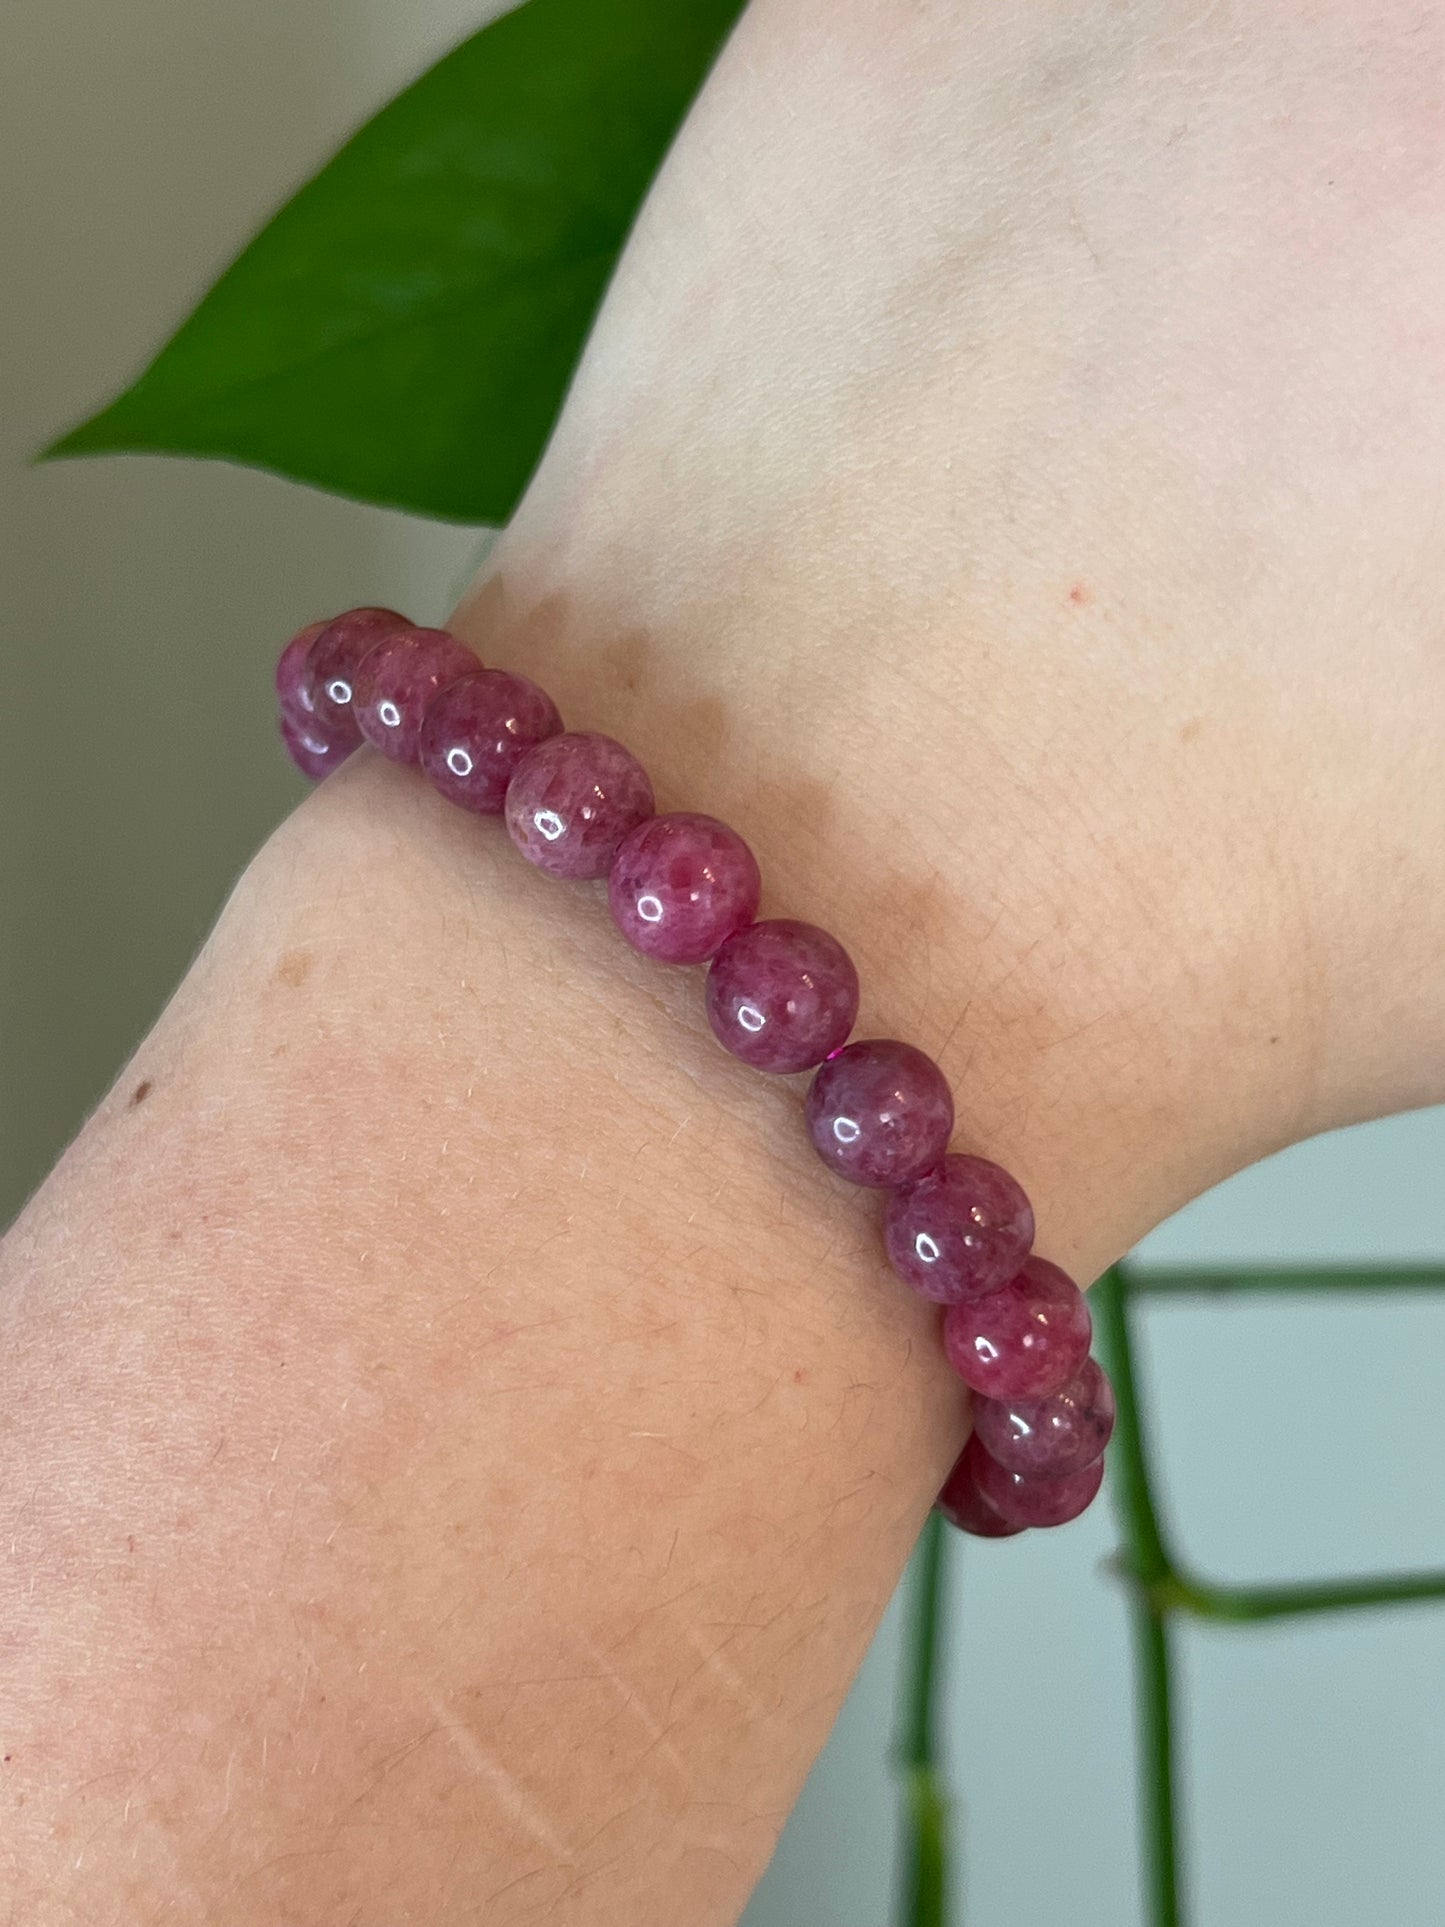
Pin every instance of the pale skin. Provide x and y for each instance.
(456, 1442)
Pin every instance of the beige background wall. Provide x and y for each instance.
(141, 604)
(140, 142)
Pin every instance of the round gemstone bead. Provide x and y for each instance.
(1026, 1340)
(879, 1112)
(291, 690)
(313, 752)
(571, 801)
(782, 995)
(1048, 1438)
(1024, 1501)
(397, 681)
(680, 886)
(964, 1506)
(960, 1231)
(477, 732)
(332, 661)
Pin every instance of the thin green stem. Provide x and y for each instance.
(1145, 1549)
(1154, 1677)
(1248, 1604)
(1151, 1569)
(1193, 1281)
(916, 1742)
(1160, 1588)
(1149, 1561)
(925, 1847)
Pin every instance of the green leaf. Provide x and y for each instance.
(404, 330)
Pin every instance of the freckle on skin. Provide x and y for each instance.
(1081, 593)
(294, 968)
(141, 1092)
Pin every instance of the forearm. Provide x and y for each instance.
(457, 1441)
(455, 1445)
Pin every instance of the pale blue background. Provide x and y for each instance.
(139, 141)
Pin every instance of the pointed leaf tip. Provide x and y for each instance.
(404, 330)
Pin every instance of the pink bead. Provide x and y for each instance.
(962, 1230)
(313, 752)
(571, 801)
(477, 732)
(781, 995)
(1025, 1340)
(879, 1112)
(397, 681)
(333, 660)
(1022, 1501)
(680, 885)
(291, 691)
(1047, 1438)
(316, 748)
(964, 1506)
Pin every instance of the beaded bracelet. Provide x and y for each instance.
(780, 994)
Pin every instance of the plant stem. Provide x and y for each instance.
(1159, 1589)
(1191, 1281)
(1151, 1565)
(1152, 1572)
(925, 1847)
(1154, 1676)
(1248, 1604)
(1146, 1552)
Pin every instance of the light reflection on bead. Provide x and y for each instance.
(1025, 1340)
(476, 733)
(291, 690)
(397, 682)
(782, 995)
(960, 1231)
(879, 1112)
(571, 801)
(313, 752)
(333, 660)
(681, 884)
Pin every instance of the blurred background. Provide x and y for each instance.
(143, 602)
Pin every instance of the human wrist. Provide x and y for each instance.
(879, 815)
(952, 447)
